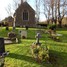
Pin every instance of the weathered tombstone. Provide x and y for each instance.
(23, 33)
(2, 50)
(2, 46)
(12, 35)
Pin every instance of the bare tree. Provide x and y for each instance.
(8, 9)
(61, 10)
(16, 4)
(55, 9)
(37, 5)
(48, 9)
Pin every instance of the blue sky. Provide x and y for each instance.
(4, 4)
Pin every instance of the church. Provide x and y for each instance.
(24, 15)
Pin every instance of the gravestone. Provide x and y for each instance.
(12, 35)
(2, 46)
(23, 33)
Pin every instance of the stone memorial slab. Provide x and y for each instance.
(23, 33)
(2, 46)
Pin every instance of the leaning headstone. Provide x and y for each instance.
(2, 46)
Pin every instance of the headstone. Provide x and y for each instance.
(23, 33)
(12, 35)
(2, 46)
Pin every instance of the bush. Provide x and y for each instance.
(41, 53)
(52, 27)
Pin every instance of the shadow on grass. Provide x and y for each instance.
(22, 57)
(31, 38)
(64, 38)
(61, 29)
(58, 58)
(27, 58)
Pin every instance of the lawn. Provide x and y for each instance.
(20, 54)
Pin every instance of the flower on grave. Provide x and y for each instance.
(40, 52)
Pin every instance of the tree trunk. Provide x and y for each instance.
(60, 23)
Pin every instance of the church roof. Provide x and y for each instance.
(25, 5)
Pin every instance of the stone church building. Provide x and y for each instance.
(24, 15)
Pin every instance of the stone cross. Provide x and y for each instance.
(37, 38)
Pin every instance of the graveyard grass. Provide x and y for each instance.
(20, 54)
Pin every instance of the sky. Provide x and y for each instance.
(4, 4)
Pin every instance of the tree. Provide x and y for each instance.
(55, 10)
(46, 9)
(37, 5)
(15, 4)
(8, 9)
(62, 5)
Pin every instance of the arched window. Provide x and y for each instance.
(25, 15)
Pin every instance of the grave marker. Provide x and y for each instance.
(2, 46)
(23, 33)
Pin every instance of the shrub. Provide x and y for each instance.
(41, 53)
(52, 27)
